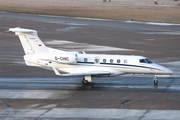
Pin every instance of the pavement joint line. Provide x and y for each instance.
(43, 113)
(171, 82)
(162, 93)
(157, 99)
(144, 114)
(10, 109)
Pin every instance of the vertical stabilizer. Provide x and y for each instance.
(30, 41)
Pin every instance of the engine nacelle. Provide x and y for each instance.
(64, 58)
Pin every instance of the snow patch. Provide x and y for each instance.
(69, 45)
(151, 23)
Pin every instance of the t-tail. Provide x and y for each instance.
(30, 41)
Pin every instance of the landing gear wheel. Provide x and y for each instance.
(155, 81)
(84, 81)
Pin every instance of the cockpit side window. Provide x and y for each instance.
(142, 61)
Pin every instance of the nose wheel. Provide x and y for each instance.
(155, 80)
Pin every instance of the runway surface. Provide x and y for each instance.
(34, 93)
(129, 97)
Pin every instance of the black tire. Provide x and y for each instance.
(155, 82)
(84, 81)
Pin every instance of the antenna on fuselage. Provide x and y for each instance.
(83, 52)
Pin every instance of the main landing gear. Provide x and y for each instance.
(155, 80)
(86, 80)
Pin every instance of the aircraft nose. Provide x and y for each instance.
(164, 70)
(168, 71)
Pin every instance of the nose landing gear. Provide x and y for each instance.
(155, 80)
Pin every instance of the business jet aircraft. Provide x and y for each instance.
(66, 63)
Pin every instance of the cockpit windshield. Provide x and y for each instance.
(145, 61)
(148, 61)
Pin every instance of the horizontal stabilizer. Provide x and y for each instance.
(18, 29)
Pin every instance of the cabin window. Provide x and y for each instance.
(125, 60)
(118, 60)
(96, 60)
(104, 60)
(85, 59)
(111, 60)
(142, 61)
(76, 57)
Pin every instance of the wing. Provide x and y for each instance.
(83, 73)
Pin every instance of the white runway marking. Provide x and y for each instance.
(149, 39)
(94, 113)
(173, 63)
(79, 113)
(35, 94)
(69, 45)
(96, 19)
(67, 29)
(151, 23)
(162, 33)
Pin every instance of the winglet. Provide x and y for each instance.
(56, 71)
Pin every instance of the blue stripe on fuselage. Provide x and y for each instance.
(119, 65)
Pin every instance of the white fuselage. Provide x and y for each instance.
(68, 62)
